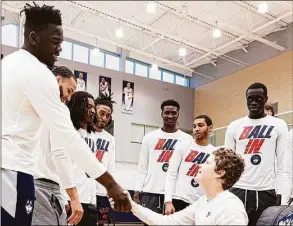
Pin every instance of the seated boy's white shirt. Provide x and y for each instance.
(224, 209)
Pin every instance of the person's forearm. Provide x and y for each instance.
(106, 180)
(72, 193)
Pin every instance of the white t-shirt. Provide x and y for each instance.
(184, 165)
(85, 186)
(288, 170)
(224, 209)
(30, 97)
(260, 142)
(156, 151)
(105, 153)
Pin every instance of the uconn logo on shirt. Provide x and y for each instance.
(196, 158)
(167, 147)
(256, 136)
(99, 147)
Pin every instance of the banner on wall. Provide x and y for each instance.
(81, 80)
(127, 97)
(104, 85)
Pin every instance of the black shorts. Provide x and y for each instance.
(255, 202)
(179, 204)
(104, 210)
(18, 197)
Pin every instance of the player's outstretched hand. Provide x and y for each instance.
(121, 198)
(112, 201)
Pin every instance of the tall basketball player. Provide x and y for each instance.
(104, 87)
(218, 206)
(128, 97)
(80, 82)
(262, 140)
(49, 205)
(30, 97)
(181, 189)
(104, 152)
(156, 151)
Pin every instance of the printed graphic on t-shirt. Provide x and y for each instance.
(101, 147)
(167, 146)
(256, 136)
(195, 158)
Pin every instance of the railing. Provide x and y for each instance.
(217, 137)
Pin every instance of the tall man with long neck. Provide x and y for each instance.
(30, 97)
(181, 189)
(156, 151)
(262, 140)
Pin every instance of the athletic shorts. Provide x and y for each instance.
(179, 204)
(49, 206)
(18, 197)
(104, 210)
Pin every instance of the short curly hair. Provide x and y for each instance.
(230, 162)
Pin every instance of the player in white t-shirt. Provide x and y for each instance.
(83, 113)
(287, 196)
(181, 189)
(104, 87)
(262, 140)
(156, 151)
(104, 152)
(30, 98)
(80, 82)
(218, 206)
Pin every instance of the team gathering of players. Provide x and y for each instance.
(58, 162)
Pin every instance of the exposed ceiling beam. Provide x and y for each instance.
(195, 20)
(233, 41)
(249, 34)
(152, 43)
(86, 34)
(137, 25)
(268, 15)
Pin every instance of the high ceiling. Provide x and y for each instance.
(175, 24)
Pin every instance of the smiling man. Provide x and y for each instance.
(156, 151)
(181, 189)
(262, 140)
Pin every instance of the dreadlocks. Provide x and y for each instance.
(105, 99)
(78, 107)
(38, 17)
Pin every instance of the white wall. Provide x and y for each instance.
(148, 96)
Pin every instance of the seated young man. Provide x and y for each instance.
(218, 206)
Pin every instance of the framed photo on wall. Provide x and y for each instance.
(81, 80)
(104, 85)
(127, 97)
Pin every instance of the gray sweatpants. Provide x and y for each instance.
(49, 208)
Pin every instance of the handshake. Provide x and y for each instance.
(119, 207)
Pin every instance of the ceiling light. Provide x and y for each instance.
(155, 67)
(119, 33)
(217, 33)
(263, 7)
(182, 52)
(151, 7)
(96, 51)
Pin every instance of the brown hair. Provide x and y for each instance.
(230, 162)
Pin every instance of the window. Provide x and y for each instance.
(155, 74)
(97, 59)
(168, 77)
(10, 35)
(138, 131)
(141, 70)
(112, 62)
(80, 54)
(129, 67)
(181, 80)
(66, 52)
